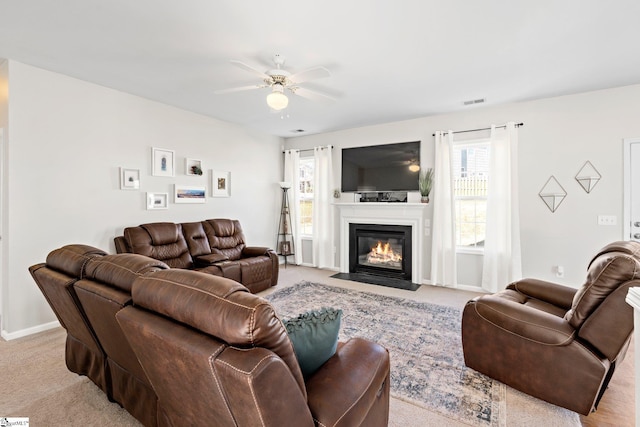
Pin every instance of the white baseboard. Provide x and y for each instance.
(29, 331)
(458, 287)
(336, 269)
(471, 288)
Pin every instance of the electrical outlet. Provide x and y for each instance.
(607, 220)
(559, 271)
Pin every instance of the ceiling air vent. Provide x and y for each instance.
(475, 101)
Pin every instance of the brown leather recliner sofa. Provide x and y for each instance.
(85, 287)
(178, 347)
(214, 246)
(553, 342)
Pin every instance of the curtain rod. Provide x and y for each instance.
(478, 130)
(309, 149)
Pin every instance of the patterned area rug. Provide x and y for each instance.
(427, 364)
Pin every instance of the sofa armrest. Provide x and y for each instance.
(523, 321)
(209, 259)
(251, 251)
(352, 383)
(250, 378)
(122, 247)
(553, 293)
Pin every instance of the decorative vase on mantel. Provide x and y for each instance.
(424, 199)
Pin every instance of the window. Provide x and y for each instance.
(307, 166)
(470, 178)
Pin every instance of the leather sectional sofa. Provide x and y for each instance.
(178, 347)
(214, 246)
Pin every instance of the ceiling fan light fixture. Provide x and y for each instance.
(277, 99)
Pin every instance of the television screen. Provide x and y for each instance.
(381, 167)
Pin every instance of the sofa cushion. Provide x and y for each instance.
(163, 241)
(196, 238)
(627, 247)
(121, 270)
(225, 237)
(72, 259)
(611, 268)
(314, 335)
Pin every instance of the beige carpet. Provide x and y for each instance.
(36, 383)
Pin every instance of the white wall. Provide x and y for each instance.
(4, 92)
(69, 138)
(4, 119)
(559, 135)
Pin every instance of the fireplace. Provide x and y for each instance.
(380, 249)
(406, 214)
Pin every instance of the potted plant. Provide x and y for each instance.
(425, 183)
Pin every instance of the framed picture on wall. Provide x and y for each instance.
(129, 179)
(163, 162)
(220, 184)
(190, 194)
(193, 167)
(157, 201)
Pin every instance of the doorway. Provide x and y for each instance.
(631, 214)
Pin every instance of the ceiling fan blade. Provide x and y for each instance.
(238, 89)
(312, 94)
(250, 69)
(310, 74)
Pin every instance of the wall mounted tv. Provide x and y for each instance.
(380, 167)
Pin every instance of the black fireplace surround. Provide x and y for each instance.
(363, 238)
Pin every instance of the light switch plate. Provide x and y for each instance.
(607, 220)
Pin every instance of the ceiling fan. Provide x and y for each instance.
(280, 80)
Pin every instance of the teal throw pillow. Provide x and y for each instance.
(314, 335)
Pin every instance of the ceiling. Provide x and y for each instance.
(389, 61)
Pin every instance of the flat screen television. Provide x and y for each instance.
(380, 167)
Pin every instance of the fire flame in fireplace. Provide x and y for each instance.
(383, 254)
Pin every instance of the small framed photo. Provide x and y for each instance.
(190, 194)
(220, 184)
(193, 167)
(285, 248)
(157, 201)
(129, 179)
(163, 162)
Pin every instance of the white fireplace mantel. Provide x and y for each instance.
(411, 214)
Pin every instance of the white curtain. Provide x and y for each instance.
(502, 259)
(292, 175)
(322, 209)
(443, 248)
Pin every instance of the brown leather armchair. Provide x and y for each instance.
(219, 355)
(553, 342)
